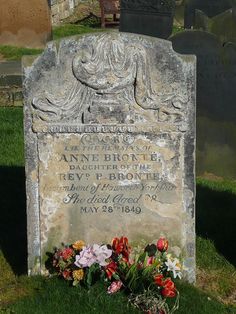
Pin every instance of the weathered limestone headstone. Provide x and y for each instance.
(216, 95)
(147, 17)
(25, 23)
(110, 140)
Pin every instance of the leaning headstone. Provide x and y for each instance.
(216, 95)
(109, 135)
(25, 23)
(209, 7)
(222, 25)
(147, 17)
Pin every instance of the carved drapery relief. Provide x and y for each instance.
(108, 76)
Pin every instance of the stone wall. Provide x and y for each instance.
(62, 9)
(10, 84)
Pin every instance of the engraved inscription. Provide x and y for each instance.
(113, 175)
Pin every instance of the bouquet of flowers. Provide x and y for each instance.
(148, 276)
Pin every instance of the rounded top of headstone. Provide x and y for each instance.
(194, 41)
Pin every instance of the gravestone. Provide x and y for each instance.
(216, 94)
(209, 7)
(222, 25)
(147, 17)
(179, 13)
(25, 23)
(109, 137)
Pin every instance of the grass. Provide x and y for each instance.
(216, 214)
(11, 137)
(11, 53)
(216, 282)
(54, 296)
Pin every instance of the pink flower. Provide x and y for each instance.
(150, 260)
(114, 287)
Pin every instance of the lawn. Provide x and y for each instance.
(216, 278)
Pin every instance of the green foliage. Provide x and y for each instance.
(16, 53)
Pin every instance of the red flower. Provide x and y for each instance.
(162, 245)
(66, 274)
(169, 289)
(66, 253)
(120, 246)
(167, 293)
(159, 280)
(110, 269)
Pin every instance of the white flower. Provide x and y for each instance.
(102, 253)
(93, 254)
(174, 266)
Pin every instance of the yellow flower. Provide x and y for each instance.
(78, 274)
(78, 245)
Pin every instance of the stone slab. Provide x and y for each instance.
(216, 96)
(147, 17)
(112, 152)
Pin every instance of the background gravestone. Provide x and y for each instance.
(209, 7)
(216, 95)
(179, 13)
(147, 17)
(25, 23)
(112, 152)
(222, 25)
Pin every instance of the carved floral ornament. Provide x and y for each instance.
(107, 72)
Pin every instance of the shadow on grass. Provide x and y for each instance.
(13, 231)
(215, 219)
